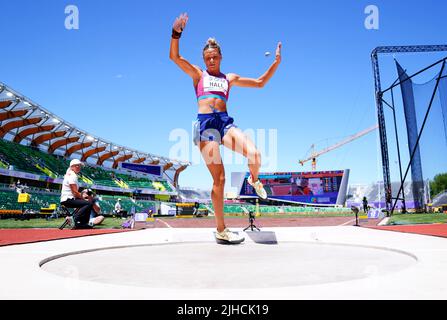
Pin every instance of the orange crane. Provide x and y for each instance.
(314, 155)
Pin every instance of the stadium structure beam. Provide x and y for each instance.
(62, 142)
(379, 105)
(4, 129)
(121, 159)
(167, 166)
(139, 160)
(47, 136)
(177, 174)
(30, 131)
(91, 152)
(39, 116)
(77, 147)
(106, 156)
(12, 114)
(5, 104)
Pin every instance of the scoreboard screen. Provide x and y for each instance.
(320, 187)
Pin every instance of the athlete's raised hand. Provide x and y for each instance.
(180, 22)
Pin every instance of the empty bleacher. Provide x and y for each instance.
(43, 199)
(38, 200)
(22, 158)
(17, 156)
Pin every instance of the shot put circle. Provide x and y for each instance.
(206, 265)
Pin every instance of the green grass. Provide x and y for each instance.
(39, 223)
(417, 218)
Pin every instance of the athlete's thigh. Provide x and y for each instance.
(210, 152)
(237, 141)
(211, 155)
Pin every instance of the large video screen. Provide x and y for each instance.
(322, 187)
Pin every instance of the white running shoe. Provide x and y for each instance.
(228, 237)
(259, 188)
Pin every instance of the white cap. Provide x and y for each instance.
(75, 162)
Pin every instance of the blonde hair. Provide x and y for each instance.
(212, 43)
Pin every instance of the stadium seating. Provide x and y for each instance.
(107, 204)
(39, 200)
(28, 159)
(16, 156)
(167, 186)
(134, 182)
(8, 200)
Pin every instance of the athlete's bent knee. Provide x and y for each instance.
(220, 181)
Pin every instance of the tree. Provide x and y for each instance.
(438, 184)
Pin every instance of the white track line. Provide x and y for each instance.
(343, 224)
(167, 224)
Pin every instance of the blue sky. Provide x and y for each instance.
(113, 77)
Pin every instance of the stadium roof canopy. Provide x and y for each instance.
(28, 123)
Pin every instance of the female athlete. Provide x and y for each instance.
(214, 126)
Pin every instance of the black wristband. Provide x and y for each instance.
(176, 35)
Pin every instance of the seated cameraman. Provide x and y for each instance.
(71, 197)
(94, 218)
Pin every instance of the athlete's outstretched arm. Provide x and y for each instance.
(174, 54)
(239, 81)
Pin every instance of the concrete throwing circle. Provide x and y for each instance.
(205, 265)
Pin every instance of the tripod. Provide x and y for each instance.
(251, 219)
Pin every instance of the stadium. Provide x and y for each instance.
(326, 233)
(37, 146)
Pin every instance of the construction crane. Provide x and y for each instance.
(314, 155)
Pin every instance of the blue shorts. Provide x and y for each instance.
(212, 126)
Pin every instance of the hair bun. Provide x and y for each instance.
(211, 43)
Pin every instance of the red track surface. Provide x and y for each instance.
(438, 230)
(261, 222)
(20, 236)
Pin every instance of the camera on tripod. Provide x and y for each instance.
(251, 219)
